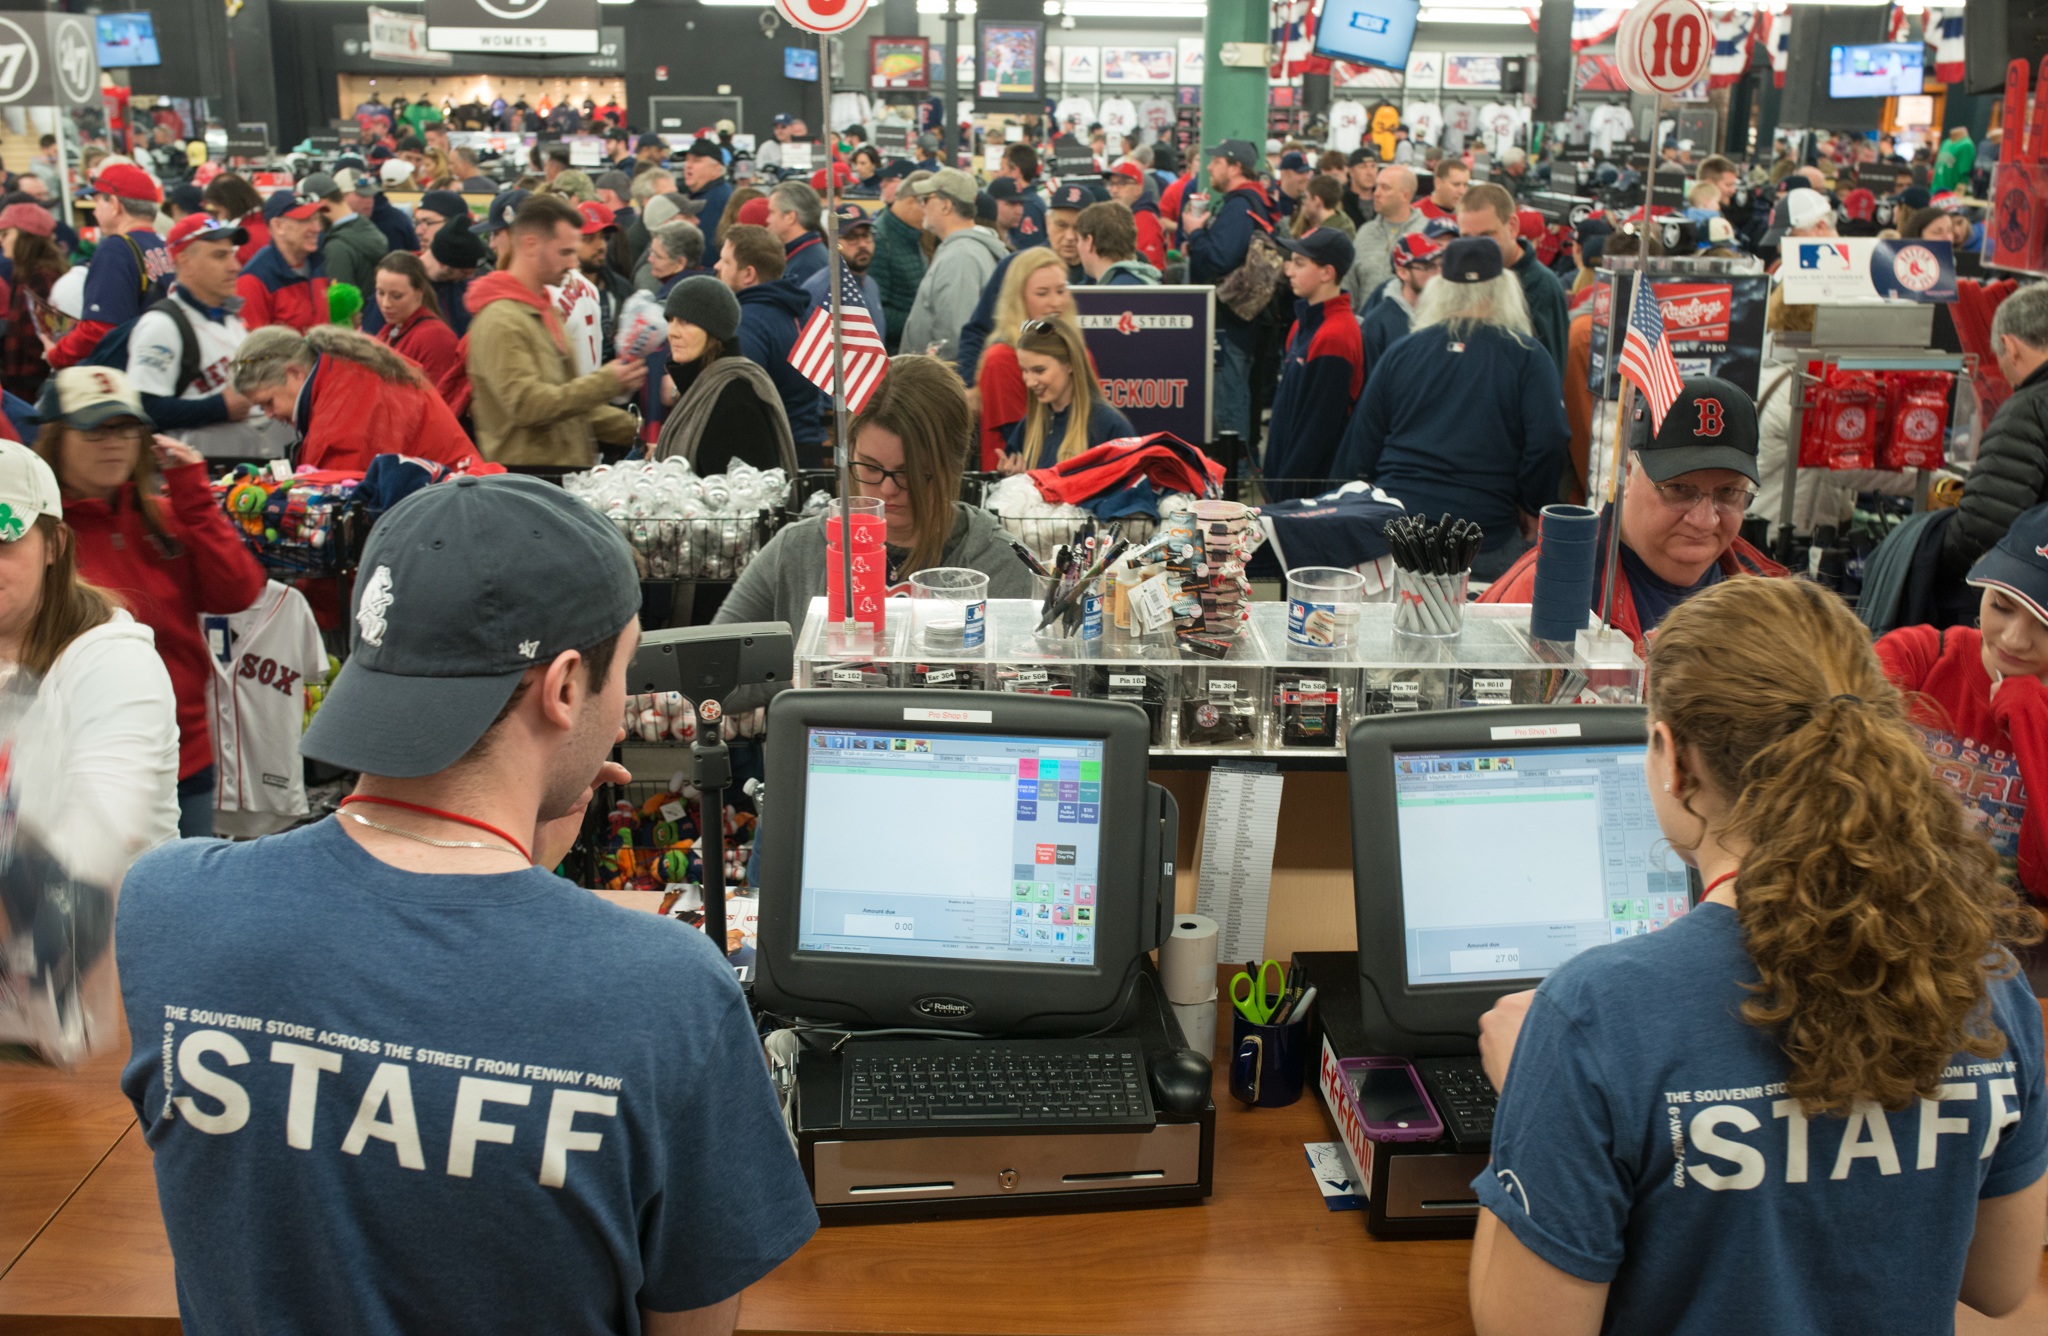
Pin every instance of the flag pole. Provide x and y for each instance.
(1622, 407)
(842, 457)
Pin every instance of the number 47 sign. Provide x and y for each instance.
(48, 60)
(1663, 46)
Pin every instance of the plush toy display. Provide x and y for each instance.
(654, 845)
(296, 524)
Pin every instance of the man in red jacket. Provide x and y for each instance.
(285, 282)
(1681, 514)
(1978, 699)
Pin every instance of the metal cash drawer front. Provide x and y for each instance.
(949, 1167)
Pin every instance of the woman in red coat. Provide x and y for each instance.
(156, 541)
(413, 323)
(349, 397)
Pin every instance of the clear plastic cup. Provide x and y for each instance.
(950, 607)
(1432, 606)
(1322, 606)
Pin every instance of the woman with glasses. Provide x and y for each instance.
(1068, 414)
(149, 532)
(1034, 288)
(1689, 486)
(908, 445)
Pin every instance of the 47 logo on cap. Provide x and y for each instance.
(1710, 417)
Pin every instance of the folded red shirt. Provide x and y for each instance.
(1171, 463)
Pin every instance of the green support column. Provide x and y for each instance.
(1233, 97)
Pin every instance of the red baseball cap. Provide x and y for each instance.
(127, 181)
(200, 227)
(596, 217)
(1130, 169)
(1417, 246)
(1860, 203)
(839, 169)
(754, 213)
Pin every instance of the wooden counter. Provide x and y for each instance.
(84, 1250)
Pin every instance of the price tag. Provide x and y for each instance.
(846, 676)
(1152, 604)
(1032, 675)
(937, 676)
(1127, 681)
(1222, 686)
(672, 811)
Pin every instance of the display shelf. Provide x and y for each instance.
(1267, 697)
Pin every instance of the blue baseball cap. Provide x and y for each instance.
(2018, 563)
(1294, 162)
(464, 586)
(1324, 245)
(498, 216)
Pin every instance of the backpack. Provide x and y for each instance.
(112, 349)
(1248, 289)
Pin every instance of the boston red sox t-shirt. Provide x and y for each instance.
(382, 1102)
(1645, 1140)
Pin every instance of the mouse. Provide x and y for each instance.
(1180, 1082)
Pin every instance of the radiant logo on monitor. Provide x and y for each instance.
(945, 1008)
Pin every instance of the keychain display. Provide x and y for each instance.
(1308, 706)
(1219, 707)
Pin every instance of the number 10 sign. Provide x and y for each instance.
(1663, 46)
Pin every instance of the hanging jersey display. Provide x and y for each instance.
(1379, 127)
(1075, 111)
(1609, 124)
(1118, 116)
(263, 660)
(1155, 118)
(1499, 123)
(1347, 125)
(1425, 121)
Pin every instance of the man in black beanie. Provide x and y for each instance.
(452, 261)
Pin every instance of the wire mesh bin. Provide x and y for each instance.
(710, 548)
(1266, 697)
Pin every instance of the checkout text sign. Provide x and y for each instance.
(1153, 350)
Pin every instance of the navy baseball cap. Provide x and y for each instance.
(650, 141)
(1294, 162)
(1072, 197)
(896, 170)
(1003, 189)
(1324, 245)
(852, 216)
(2018, 563)
(463, 587)
(1710, 425)
(784, 118)
(498, 215)
(700, 147)
(1472, 260)
(1239, 151)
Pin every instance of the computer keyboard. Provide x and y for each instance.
(1462, 1095)
(997, 1083)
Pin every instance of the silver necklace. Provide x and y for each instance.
(360, 819)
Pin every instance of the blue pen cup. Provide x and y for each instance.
(1268, 1063)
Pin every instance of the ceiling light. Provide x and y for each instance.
(1502, 16)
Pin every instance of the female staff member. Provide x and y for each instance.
(97, 666)
(1034, 288)
(413, 324)
(1068, 413)
(158, 543)
(1978, 699)
(907, 446)
(726, 407)
(26, 232)
(348, 396)
(1815, 1103)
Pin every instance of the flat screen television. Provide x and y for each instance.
(800, 63)
(127, 40)
(1368, 32)
(1890, 69)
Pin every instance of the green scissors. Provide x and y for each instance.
(1254, 1006)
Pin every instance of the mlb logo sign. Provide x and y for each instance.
(1824, 257)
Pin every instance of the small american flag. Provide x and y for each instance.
(866, 360)
(1646, 353)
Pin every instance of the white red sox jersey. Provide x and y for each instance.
(576, 302)
(263, 658)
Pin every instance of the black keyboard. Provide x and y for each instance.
(995, 1082)
(1462, 1095)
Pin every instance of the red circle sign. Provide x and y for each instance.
(826, 16)
(1663, 46)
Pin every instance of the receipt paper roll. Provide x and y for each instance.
(1198, 1023)
(1187, 960)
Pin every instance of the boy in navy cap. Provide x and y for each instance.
(1322, 370)
(1293, 178)
(387, 1039)
(1689, 485)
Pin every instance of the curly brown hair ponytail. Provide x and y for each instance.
(1873, 912)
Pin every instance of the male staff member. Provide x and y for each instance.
(500, 1161)
(1681, 514)
(1489, 211)
(1216, 242)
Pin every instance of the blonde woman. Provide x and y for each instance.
(1068, 413)
(1034, 288)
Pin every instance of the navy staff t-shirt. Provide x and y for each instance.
(116, 290)
(403, 1103)
(1645, 1139)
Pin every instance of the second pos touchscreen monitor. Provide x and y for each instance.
(1490, 847)
(996, 869)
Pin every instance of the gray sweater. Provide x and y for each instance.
(780, 582)
(945, 299)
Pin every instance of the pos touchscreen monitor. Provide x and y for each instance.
(1489, 847)
(996, 865)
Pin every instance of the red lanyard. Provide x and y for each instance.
(445, 816)
(1725, 876)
